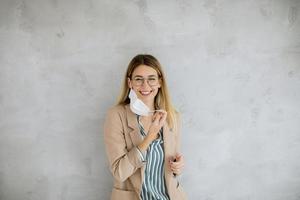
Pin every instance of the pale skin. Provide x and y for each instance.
(153, 123)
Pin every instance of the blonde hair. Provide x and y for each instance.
(162, 99)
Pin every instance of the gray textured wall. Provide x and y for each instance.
(233, 69)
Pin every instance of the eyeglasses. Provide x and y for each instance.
(152, 81)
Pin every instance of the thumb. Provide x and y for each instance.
(178, 156)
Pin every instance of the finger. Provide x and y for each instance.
(163, 112)
(156, 118)
(178, 166)
(177, 162)
(160, 111)
(179, 156)
(176, 169)
(163, 118)
(173, 160)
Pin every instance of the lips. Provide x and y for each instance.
(145, 93)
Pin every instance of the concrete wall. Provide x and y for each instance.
(233, 69)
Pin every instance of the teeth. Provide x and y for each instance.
(145, 93)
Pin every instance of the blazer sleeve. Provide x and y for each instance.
(123, 162)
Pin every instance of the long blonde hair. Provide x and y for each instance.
(162, 99)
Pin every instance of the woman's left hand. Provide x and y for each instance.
(177, 164)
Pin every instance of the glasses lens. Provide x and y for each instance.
(153, 81)
(138, 81)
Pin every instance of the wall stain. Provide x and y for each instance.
(21, 14)
(149, 23)
(266, 9)
(189, 122)
(212, 8)
(292, 15)
(182, 102)
(218, 114)
(142, 4)
(267, 92)
(291, 74)
(184, 5)
(255, 114)
(268, 95)
(84, 82)
(61, 33)
(265, 12)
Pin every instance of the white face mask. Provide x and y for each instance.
(137, 106)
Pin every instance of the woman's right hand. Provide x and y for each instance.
(158, 121)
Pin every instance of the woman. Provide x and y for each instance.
(142, 136)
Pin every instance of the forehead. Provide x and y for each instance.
(144, 70)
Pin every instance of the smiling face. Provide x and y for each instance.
(145, 82)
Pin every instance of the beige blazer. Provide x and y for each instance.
(121, 136)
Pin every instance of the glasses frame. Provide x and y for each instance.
(143, 81)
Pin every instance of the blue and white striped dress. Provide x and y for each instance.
(154, 186)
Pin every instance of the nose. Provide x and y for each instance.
(145, 82)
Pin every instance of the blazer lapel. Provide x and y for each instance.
(168, 143)
(167, 139)
(135, 135)
(136, 138)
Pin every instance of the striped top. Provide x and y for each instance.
(154, 186)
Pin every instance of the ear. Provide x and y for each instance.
(129, 83)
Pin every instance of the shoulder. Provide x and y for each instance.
(117, 110)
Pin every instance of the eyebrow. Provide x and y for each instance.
(139, 76)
